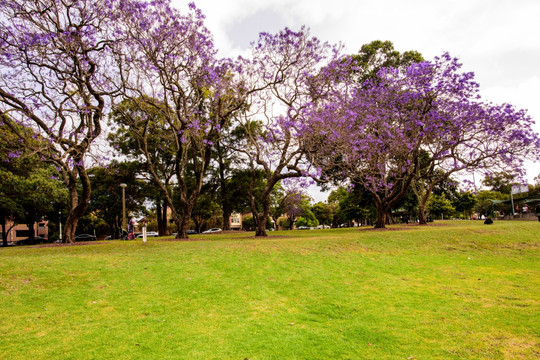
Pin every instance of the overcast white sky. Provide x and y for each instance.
(497, 39)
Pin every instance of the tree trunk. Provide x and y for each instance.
(182, 226)
(165, 221)
(261, 224)
(226, 220)
(69, 229)
(261, 217)
(389, 217)
(225, 203)
(77, 205)
(161, 232)
(198, 223)
(422, 220)
(380, 223)
(4, 235)
(182, 222)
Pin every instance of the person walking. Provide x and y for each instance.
(131, 228)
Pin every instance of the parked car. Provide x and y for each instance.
(188, 232)
(323, 227)
(149, 234)
(211, 231)
(303, 228)
(85, 237)
(37, 240)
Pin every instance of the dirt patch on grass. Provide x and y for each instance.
(68, 244)
(399, 227)
(174, 239)
(268, 237)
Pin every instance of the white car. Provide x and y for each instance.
(148, 234)
(211, 231)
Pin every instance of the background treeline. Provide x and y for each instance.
(94, 94)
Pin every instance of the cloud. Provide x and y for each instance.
(244, 31)
(498, 40)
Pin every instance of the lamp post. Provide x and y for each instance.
(124, 223)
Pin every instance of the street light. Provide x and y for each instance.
(124, 223)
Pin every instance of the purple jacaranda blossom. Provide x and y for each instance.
(413, 127)
(281, 80)
(58, 80)
(189, 96)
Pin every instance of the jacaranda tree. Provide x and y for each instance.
(55, 78)
(377, 132)
(281, 78)
(169, 67)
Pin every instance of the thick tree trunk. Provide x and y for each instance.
(389, 217)
(261, 224)
(422, 220)
(226, 220)
(162, 221)
(380, 223)
(69, 229)
(261, 217)
(182, 226)
(77, 205)
(182, 222)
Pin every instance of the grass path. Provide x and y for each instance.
(454, 290)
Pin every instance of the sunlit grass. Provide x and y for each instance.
(453, 290)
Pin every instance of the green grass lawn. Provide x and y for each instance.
(452, 290)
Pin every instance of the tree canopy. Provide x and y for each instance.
(203, 134)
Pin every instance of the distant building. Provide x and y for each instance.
(21, 231)
(236, 220)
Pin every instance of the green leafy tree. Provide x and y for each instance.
(146, 142)
(205, 209)
(29, 188)
(284, 223)
(247, 185)
(500, 182)
(439, 206)
(276, 204)
(380, 54)
(335, 198)
(248, 223)
(10, 208)
(307, 219)
(243, 185)
(465, 203)
(323, 212)
(106, 197)
(353, 205)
